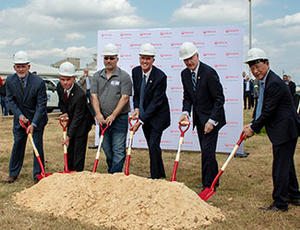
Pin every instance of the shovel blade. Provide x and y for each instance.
(42, 176)
(206, 193)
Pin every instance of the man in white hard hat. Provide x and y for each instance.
(74, 107)
(151, 106)
(275, 110)
(202, 92)
(27, 100)
(110, 93)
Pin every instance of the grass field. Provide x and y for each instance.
(245, 185)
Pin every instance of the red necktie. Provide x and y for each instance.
(66, 96)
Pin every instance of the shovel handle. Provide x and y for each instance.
(37, 155)
(130, 124)
(103, 129)
(25, 126)
(187, 127)
(64, 124)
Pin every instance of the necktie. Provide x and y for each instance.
(142, 92)
(66, 96)
(194, 80)
(260, 100)
(22, 85)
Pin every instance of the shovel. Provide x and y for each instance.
(99, 146)
(179, 148)
(129, 146)
(208, 192)
(64, 125)
(37, 155)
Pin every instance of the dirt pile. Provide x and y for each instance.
(119, 201)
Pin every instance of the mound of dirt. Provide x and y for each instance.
(119, 201)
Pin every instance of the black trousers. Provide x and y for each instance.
(153, 138)
(284, 174)
(208, 144)
(248, 97)
(76, 152)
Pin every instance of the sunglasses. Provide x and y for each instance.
(110, 58)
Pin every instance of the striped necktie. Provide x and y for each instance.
(194, 80)
(66, 96)
(142, 93)
(22, 84)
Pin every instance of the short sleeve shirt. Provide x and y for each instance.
(110, 90)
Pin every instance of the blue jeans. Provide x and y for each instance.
(114, 144)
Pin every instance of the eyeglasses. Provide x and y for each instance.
(110, 58)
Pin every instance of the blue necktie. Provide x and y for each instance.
(142, 92)
(194, 80)
(260, 100)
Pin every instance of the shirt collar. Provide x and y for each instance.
(265, 77)
(147, 74)
(197, 68)
(69, 90)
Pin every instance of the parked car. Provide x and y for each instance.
(52, 97)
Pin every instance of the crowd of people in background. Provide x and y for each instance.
(251, 90)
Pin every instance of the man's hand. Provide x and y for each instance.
(100, 119)
(248, 132)
(66, 142)
(184, 120)
(64, 117)
(24, 119)
(109, 120)
(136, 127)
(135, 114)
(208, 127)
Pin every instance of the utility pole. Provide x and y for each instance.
(250, 26)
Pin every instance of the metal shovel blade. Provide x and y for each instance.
(206, 193)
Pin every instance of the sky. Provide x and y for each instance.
(51, 30)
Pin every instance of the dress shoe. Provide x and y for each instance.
(295, 202)
(93, 146)
(35, 180)
(273, 208)
(11, 179)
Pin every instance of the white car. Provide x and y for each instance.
(52, 97)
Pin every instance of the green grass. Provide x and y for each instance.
(245, 185)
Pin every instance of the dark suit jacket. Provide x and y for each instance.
(208, 100)
(80, 118)
(278, 114)
(32, 103)
(292, 87)
(156, 105)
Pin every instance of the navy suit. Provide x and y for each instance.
(207, 102)
(282, 124)
(80, 123)
(156, 116)
(32, 104)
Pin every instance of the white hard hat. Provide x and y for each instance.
(67, 69)
(21, 57)
(110, 49)
(187, 50)
(147, 49)
(256, 54)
